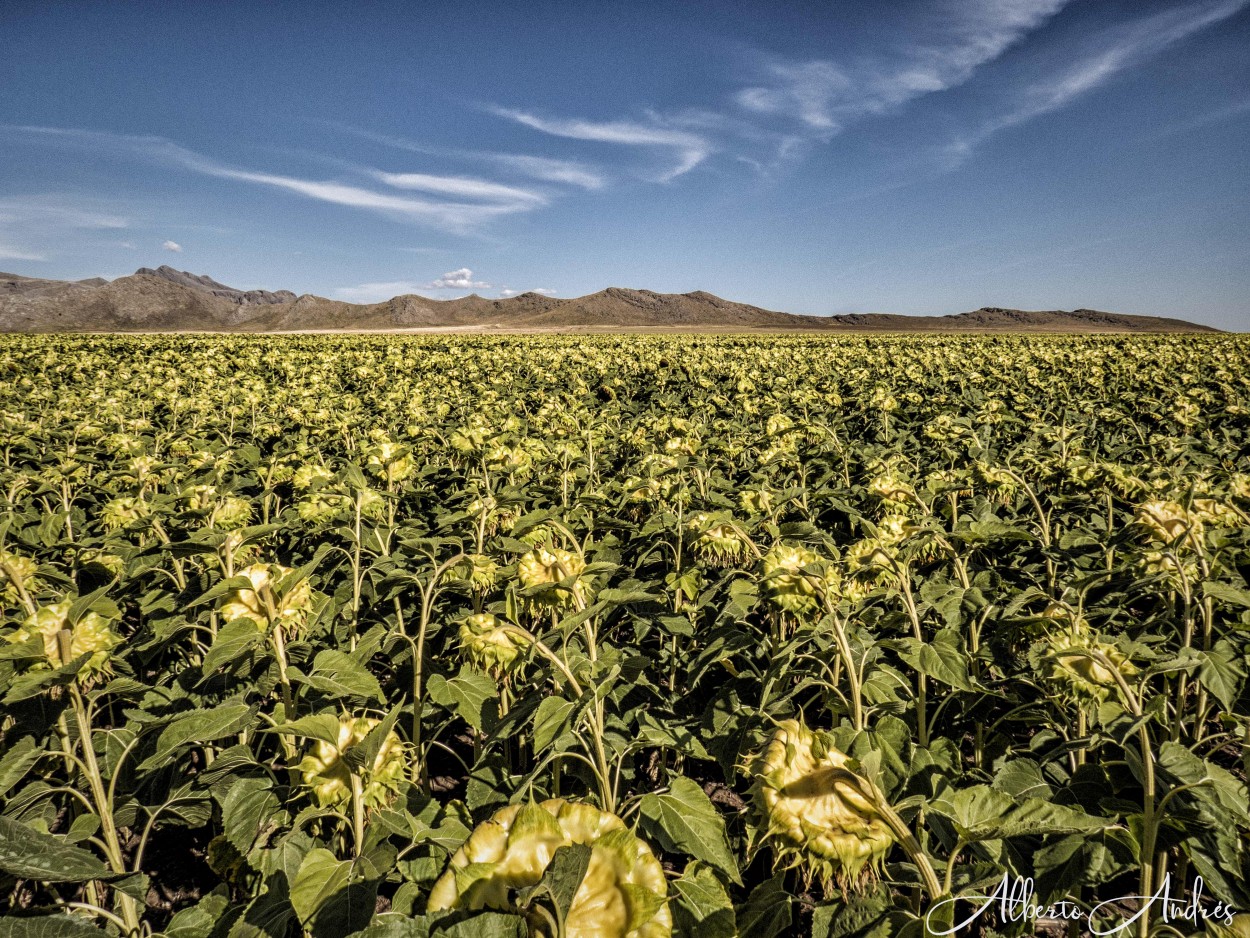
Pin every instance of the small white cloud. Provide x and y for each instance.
(545, 291)
(128, 245)
(172, 246)
(461, 279)
(505, 293)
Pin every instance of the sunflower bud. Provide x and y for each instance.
(623, 894)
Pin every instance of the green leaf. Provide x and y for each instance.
(982, 813)
(199, 726)
(1226, 593)
(365, 752)
(322, 726)
(766, 913)
(1222, 673)
(321, 876)
(703, 908)
(684, 820)
(49, 926)
(17, 762)
(31, 854)
(199, 920)
(246, 808)
(564, 875)
(340, 675)
(1022, 778)
(945, 659)
(549, 721)
(470, 694)
(234, 640)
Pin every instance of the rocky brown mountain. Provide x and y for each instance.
(169, 300)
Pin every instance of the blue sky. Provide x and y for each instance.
(921, 157)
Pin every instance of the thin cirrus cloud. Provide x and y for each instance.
(818, 97)
(574, 173)
(1108, 53)
(690, 149)
(824, 95)
(485, 202)
(32, 227)
(461, 186)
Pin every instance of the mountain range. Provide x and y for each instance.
(169, 300)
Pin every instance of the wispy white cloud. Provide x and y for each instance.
(546, 169)
(455, 216)
(1207, 119)
(962, 36)
(1108, 54)
(460, 186)
(37, 227)
(60, 211)
(172, 246)
(461, 279)
(543, 168)
(690, 149)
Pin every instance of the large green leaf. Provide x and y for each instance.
(340, 675)
(199, 726)
(683, 819)
(31, 854)
(983, 813)
(49, 926)
(471, 694)
(701, 908)
(234, 639)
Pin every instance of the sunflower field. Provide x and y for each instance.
(648, 636)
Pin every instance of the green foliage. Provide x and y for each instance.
(1008, 580)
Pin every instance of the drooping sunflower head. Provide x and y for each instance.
(90, 635)
(623, 894)
(489, 646)
(556, 577)
(721, 543)
(1082, 666)
(815, 811)
(329, 777)
(1165, 522)
(264, 602)
(17, 571)
(797, 580)
(478, 571)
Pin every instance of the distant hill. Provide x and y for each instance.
(168, 300)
